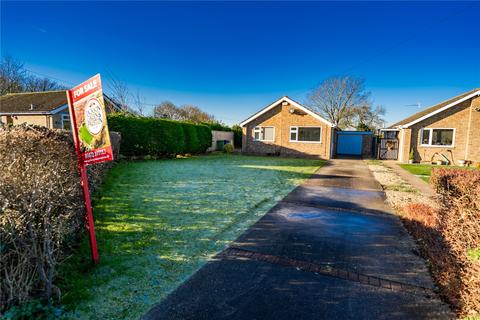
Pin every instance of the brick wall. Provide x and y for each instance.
(473, 141)
(281, 119)
(405, 144)
(39, 120)
(466, 121)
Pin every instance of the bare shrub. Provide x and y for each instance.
(446, 236)
(41, 209)
(41, 206)
(421, 213)
(459, 223)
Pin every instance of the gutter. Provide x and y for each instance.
(41, 113)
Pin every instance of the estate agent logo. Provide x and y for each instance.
(94, 116)
(87, 112)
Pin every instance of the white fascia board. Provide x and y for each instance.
(38, 113)
(61, 108)
(296, 104)
(476, 93)
(41, 113)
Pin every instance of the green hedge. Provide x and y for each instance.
(237, 136)
(217, 126)
(159, 137)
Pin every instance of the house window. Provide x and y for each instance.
(305, 134)
(425, 137)
(264, 133)
(437, 137)
(66, 122)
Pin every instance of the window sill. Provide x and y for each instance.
(294, 141)
(435, 146)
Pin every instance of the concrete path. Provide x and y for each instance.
(329, 250)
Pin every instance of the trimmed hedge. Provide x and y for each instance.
(143, 136)
(237, 136)
(204, 136)
(217, 126)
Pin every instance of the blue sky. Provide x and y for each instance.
(233, 58)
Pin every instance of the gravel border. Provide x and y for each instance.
(399, 192)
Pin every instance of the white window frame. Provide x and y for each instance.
(66, 117)
(259, 130)
(430, 138)
(295, 129)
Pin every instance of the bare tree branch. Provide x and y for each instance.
(338, 99)
(12, 76)
(138, 102)
(15, 78)
(168, 110)
(119, 91)
(192, 113)
(195, 114)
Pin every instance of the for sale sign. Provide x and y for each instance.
(89, 121)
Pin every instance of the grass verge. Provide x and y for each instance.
(424, 171)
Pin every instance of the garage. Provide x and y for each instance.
(354, 143)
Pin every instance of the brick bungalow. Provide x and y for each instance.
(286, 127)
(450, 129)
(48, 109)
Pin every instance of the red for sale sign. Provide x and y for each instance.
(89, 121)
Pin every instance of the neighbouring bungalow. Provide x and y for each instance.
(48, 109)
(448, 132)
(286, 127)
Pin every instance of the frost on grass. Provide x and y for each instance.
(159, 221)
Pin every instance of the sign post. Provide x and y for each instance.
(92, 139)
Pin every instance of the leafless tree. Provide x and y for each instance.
(138, 103)
(119, 92)
(168, 110)
(12, 76)
(187, 112)
(369, 116)
(15, 78)
(195, 114)
(337, 99)
(34, 84)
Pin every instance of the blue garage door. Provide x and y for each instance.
(349, 143)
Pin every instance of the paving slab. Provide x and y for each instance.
(339, 222)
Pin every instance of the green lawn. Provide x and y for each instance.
(423, 171)
(157, 222)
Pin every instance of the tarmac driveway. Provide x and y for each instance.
(329, 250)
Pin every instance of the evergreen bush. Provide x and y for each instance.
(143, 136)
